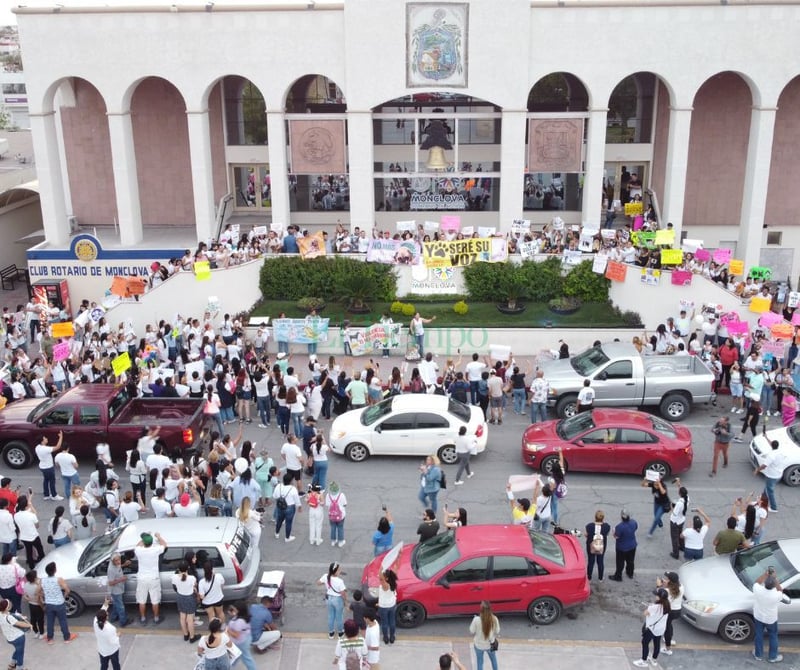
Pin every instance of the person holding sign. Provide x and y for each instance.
(417, 330)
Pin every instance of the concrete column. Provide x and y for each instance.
(756, 181)
(360, 153)
(592, 207)
(202, 173)
(51, 179)
(671, 201)
(126, 179)
(278, 168)
(513, 159)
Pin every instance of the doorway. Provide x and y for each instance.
(252, 187)
(622, 181)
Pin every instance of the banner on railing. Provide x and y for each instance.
(374, 338)
(301, 331)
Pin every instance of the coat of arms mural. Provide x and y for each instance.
(437, 44)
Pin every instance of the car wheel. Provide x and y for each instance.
(737, 628)
(74, 604)
(791, 476)
(447, 454)
(410, 614)
(544, 611)
(548, 464)
(674, 407)
(658, 466)
(356, 452)
(567, 406)
(17, 455)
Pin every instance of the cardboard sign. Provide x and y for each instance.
(735, 267)
(671, 257)
(61, 351)
(520, 226)
(499, 352)
(572, 257)
(759, 304)
(259, 231)
(430, 226)
(599, 263)
(406, 225)
(702, 255)
(486, 231)
(665, 237)
(276, 228)
(451, 222)
(796, 319)
(691, 246)
(202, 270)
(651, 276)
(722, 256)
(793, 299)
(760, 272)
(616, 271)
(607, 234)
(634, 208)
(466, 231)
(527, 249)
(782, 331)
(738, 328)
(119, 286)
(136, 286)
(686, 304)
(728, 317)
(768, 319)
(62, 329)
(777, 349)
(681, 277)
(121, 363)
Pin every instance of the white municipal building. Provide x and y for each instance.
(367, 112)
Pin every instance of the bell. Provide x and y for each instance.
(437, 160)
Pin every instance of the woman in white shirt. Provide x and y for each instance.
(250, 519)
(387, 605)
(210, 590)
(693, 537)
(214, 647)
(655, 623)
(336, 598)
(107, 639)
(28, 525)
(60, 529)
(185, 586)
(129, 508)
(675, 591)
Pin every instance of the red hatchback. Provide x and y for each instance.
(514, 568)
(609, 440)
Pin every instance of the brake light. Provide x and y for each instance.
(479, 430)
(236, 567)
(188, 436)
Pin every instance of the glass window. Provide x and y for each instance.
(459, 409)
(663, 427)
(750, 564)
(245, 113)
(308, 193)
(575, 425)
(431, 556)
(631, 436)
(433, 194)
(619, 370)
(371, 414)
(546, 546)
(588, 361)
(60, 416)
(429, 420)
(600, 436)
(399, 422)
(471, 570)
(553, 191)
(89, 415)
(508, 567)
(117, 403)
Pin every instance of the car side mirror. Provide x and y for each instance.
(442, 581)
(602, 376)
(378, 429)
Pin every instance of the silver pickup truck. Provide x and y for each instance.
(622, 377)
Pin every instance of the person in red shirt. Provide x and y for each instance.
(728, 355)
(8, 493)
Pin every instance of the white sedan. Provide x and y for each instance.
(414, 424)
(788, 451)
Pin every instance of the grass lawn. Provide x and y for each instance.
(481, 314)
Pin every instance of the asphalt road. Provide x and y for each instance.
(612, 613)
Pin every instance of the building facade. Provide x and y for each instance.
(370, 112)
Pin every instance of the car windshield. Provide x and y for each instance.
(429, 557)
(98, 549)
(459, 409)
(33, 417)
(794, 433)
(546, 546)
(588, 361)
(567, 429)
(663, 427)
(375, 412)
(750, 564)
(117, 402)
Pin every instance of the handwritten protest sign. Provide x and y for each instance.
(702, 255)
(793, 299)
(759, 272)
(406, 225)
(572, 257)
(681, 277)
(671, 257)
(728, 317)
(665, 237)
(616, 271)
(722, 255)
(633, 208)
(62, 329)
(599, 263)
(651, 276)
(276, 228)
(686, 305)
(119, 286)
(782, 331)
(776, 349)
(121, 363)
(796, 319)
(451, 222)
(61, 351)
(486, 231)
(374, 338)
(527, 249)
(259, 231)
(467, 230)
(136, 286)
(202, 270)
(768, 319)
(302, 331)
(691, 246)
(735, 267)
(738, 328)
(520, 226)
(760, 304)
(430, 226)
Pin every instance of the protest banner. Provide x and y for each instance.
(782, 331)
(62, 329)
(769, 319)
(458, 253)
(671, 257)
(61, 351)
(486, 231)
(702, 255)
(406, 225)
(599, 263)
(520, 226)
(121, 363)
(403, 252)
(450, 222)
(119, 287)
(691, 246)
(374, 338)
(776, 349)
(634, 208)
(311, 246)
(759, 304)
(572, 257)
(527, 249)
(616, 271)
(301, 331)
(735, 267)
(651, 276)
(665, 237)
(759, 272)
(681, 277)
(793, 299)
(721, 255)
(202, 270)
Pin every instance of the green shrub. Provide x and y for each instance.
(461, 307)
(483, 280)
(545, 280)
(396, 307)
(310, 303)
(588, 286)
(409, 309)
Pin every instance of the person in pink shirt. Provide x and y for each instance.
(788, 408)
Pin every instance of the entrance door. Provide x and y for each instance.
(624, 180)
(252, 187)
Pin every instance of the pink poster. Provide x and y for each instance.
(722, 255)
(768, 319)
(775, 348)
(702, 255)
(61, 351)
(738, 328)
(796, 318)
(450, 222)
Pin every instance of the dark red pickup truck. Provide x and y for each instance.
(92, 413)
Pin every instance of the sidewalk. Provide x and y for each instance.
(167, 651)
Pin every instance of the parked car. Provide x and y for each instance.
(514, 568)
(92, 413)
(788, 451)
(622, 377)
(413, 424)
(222, 540)
(609, 440)
(718, 591)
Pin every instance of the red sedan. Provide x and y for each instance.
(514, 568)
(609, 440)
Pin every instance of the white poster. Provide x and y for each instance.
(599, 264)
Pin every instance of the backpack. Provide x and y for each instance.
(281, 503)
(438, 390)
(442, 480)
(597, 545)
(561, 490)
(335, 512)
(353, 659)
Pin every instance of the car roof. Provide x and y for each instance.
(791, 547)
(91, 392)
(495, 538)
(187, 532)
(608, 415)
(618, 349)
(416, 401)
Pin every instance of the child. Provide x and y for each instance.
(361, 603)
(315, 514)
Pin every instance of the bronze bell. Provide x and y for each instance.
(437, 160)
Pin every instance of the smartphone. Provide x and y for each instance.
(383, 507)
(30, 491)
(771, 570)
(694, 509)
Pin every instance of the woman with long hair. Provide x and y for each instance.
(282, 413)
(485, 627)
(677, 519)
(674, 588)
(107, 640)
(214, 647)
(656, 616)
(84, 524)
(387, 604)
(336, 599)
(212, 409)
(240, 632)
(138, 473)
(383, 537)
(11, 574)
(60, 528)
(250, 519)
(211, 595)
(185, 585)
(28, 525)
(244, 396)
(14, 630)
(296, 404)
(319, 451)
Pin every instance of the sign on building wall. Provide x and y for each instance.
(317, 146)
(555, 145)
(436, 35)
